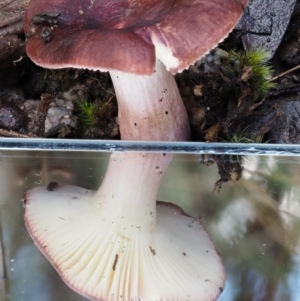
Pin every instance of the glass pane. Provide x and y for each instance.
(249, 204)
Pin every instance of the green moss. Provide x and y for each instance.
(251, 67)
(87, 113)
(262, 71)
(240, 135)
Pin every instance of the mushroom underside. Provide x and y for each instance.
(107, 259)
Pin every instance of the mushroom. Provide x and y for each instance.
(138, 42)
(118, 243)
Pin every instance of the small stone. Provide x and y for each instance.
(74, 93)
(31, 108)
(12, 118)
(60, 112)
(198, 90)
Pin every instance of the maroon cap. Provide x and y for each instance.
(126, 35)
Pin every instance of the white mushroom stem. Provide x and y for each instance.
(130, 188)
(118, 243)
(150, 107)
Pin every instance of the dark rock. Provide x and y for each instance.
(12, 11)
(12, 118)
(289, 52)
(287, 127)
(11, 48)
(264, 23)
(261, 121)
(12, 44)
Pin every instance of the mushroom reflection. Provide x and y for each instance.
(120, 244)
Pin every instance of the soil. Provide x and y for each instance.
(222, 100)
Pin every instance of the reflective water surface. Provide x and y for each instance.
(250, 206)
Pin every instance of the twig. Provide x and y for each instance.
(284, 73)
(13, 134)
(41, 114)
(109, 100)
(256, 105)
(279, 92)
